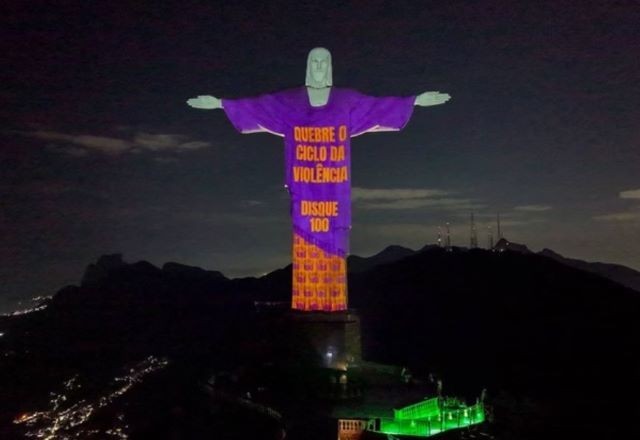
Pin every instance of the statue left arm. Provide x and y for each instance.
(427, 99)
(372, 114)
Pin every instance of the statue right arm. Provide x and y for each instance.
(258, 114)
(205, 102)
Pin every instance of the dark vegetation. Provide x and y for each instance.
(555, 345)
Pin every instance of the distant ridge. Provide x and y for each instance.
(621, 274)
(108, 265)
(192, 272)
(505, 245)
(390, 254)
(531, 326)
(616, 272)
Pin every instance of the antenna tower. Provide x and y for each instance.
(473, 242)
(490, 238)
(448, 242)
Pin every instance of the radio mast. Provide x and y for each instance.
(490, 232)
(473, 241)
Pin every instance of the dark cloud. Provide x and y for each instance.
(116, 146)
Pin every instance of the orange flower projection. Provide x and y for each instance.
(319, 278)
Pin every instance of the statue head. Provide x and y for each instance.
(319, 68)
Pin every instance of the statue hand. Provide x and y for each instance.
(431, 98)
(205, 102)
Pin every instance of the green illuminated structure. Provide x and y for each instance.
(430, 417)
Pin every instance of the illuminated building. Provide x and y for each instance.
(422, 419)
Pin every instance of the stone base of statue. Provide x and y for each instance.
(333, 336)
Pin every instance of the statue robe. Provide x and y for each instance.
(318, 176)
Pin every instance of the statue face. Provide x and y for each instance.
(319, 68)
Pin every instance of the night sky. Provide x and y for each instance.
(100, 153)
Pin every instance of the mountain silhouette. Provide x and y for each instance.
(357, 264)
(555, 345)
(616, 272)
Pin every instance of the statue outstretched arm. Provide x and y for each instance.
(431, 98)
(205, 102)
(257, 114)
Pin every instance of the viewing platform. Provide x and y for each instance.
(423, 419)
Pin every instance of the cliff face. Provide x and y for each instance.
(99, 272)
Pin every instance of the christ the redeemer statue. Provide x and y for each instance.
(317, 122)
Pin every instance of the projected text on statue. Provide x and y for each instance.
(317, 123)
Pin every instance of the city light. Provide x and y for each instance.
(40, 305)
(62, 421)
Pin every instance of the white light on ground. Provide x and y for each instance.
(62, 421)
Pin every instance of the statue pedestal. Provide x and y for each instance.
(334, 336)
